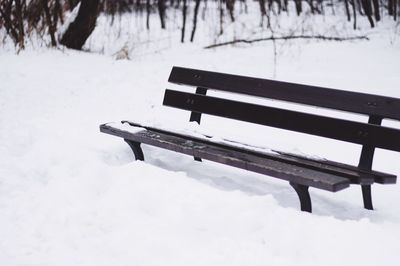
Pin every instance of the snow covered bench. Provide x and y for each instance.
(301, 172)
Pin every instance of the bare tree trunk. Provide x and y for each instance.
(262, 7)
(355, 14)
(346, 3)
(184, 9)
(58, 13)
(359, 5)
(80, 29)
(390, 7)
(21, 38)
(221, 18)
(72, 4)
(279, 6)
(366, 4)
(196, 11)
(230, 5)
(161, 11)
(148, 14)
(376, 10)
(49, 22)
(299, 7)
(285, 4)
(310, 2)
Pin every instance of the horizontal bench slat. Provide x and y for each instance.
(362, 103)
(354, 174)
(350, 131)
(234, 158)
(378, 177)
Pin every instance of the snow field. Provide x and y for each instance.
(70, 195)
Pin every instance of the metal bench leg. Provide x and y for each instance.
(304, 196)
(366, 158)
(367, 197)
(137, 151)
(194, 116)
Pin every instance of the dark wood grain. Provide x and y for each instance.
(339, 129)
(368, 104)
(377, 176)
(353, 173)
(236, 158)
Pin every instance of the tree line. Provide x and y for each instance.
(21, 18)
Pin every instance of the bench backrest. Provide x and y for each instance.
(370, 134)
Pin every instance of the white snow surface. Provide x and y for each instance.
(70, 195)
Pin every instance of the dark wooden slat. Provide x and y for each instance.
(291, 173)
(355, 175)
(378, 177)
(350, 131)
(362, 103)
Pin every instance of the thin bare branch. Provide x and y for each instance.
(277, 38)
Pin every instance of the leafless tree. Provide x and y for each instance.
(80, 29)
(195, 13)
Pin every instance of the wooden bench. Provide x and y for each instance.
(301, 172)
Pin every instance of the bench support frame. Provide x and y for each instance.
(195, 116)
(366, 159)
(137, 150)
(304, 196)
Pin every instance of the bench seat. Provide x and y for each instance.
(363, 174)
(322, 174)
(239, 157)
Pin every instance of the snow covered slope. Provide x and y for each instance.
(70, 195)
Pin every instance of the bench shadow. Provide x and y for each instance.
(233, 179)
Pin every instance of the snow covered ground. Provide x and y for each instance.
(70, 195)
